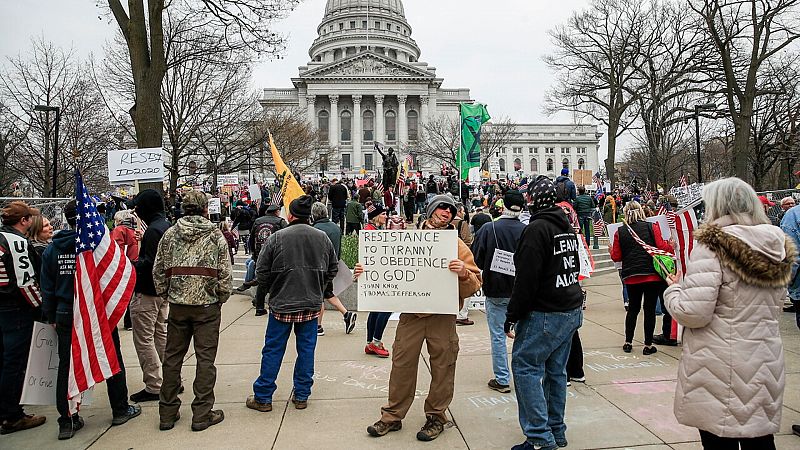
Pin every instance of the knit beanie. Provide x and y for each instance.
(441, 199)
(301, 206)
(542, 193)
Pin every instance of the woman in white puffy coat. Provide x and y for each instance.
(731, 373)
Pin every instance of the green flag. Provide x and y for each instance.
(472, 117)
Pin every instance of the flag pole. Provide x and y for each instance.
(460, 145)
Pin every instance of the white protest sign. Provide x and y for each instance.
(231, 179)
(135, 164)
(42, 371)
(503, 262)
(612, 231)
(663, 225)
(343, 280)
(406, 271)
(214, 206)
(689, 194)
(255, 192)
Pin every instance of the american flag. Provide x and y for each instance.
(684, 181)
(104, 281)
(379, 180)
(599, 182)
(599, 225)
(666, 210)
(410, 161)
(685, 224)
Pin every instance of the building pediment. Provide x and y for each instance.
(367, 65)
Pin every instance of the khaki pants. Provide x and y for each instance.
(439, 331)
(200, 322)
(149, 319)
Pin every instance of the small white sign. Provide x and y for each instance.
(228, 180)
(503, 262)
(407, 271)
(214, 206)
(255, 192)
(42, 371)
(343, 280)
(663, 225)
(137, 164)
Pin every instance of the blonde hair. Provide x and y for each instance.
(122, 215)
(634, 212)
(735, 198)
(37, 225)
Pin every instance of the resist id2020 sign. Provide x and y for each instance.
(136, 164)
(406, 271)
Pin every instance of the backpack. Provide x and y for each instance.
(262, 232)
(562, 193)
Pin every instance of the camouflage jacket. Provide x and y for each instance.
(192, 265)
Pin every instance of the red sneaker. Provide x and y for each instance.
(378, 350)
(368, 349)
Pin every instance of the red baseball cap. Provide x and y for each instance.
(765, 201)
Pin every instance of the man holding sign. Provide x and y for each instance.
(439, 331)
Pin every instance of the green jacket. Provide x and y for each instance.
(192, 265)
(584, 205)
(354, 212)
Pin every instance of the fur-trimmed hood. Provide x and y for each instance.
(760, 255)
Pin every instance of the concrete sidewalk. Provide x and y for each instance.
(625, 403)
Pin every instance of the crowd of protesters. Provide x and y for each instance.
(728, 301)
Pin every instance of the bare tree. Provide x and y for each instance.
(496, 136)
(746, 34)
(595, 62)
(439, 140)
(299, 144)
(12, 134)
(239, 24)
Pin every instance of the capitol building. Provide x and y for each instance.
(365, 83)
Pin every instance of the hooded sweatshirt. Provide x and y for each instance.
(150, 208)
(547, 267)
(192, 266)
(58, 275)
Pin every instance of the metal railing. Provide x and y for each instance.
(52, 208)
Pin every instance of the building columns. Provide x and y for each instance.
(333, 134)
(355, 129)
(423, 115)
(380, 128)
(402, 120)
(311, 102)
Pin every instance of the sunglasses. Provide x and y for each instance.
(443, 207)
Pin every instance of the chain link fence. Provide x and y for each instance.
(52, 208)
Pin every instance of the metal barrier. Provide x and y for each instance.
(52, 208)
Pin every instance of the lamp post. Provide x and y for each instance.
(47, 108)
(697, 109)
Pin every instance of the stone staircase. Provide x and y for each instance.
(602, 259)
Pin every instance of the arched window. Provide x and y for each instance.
(413, 125)
(502, 165)
(534, 166)
(391, 126)
(323, 163)
(322, 125)
(581, 164)
(393, 54)
(337, 54)
(350, 51)
(565, 163)
(346, 126)
(368, 119)
(549, 165)
(517, 165)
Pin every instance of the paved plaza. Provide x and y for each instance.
(625, 403)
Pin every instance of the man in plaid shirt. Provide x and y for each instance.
(295, 266)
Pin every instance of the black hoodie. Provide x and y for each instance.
(58, 276)
(150, 208)
(547, 267)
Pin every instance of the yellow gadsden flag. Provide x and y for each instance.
(291, 188)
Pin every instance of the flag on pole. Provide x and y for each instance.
(290, 187)
(104, 281)
(685, 224)
(599, 225)
(409, 162)
(473, 116)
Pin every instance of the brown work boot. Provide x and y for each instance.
(25, 422)
(214, 417)
(252, 403)
(432, 429)
(299, 404)
(381, 428)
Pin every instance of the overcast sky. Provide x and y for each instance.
(495, 48)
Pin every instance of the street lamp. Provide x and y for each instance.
(48, 108)
(697, 109)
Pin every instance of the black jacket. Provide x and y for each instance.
(147, 253)
(58, 276)
(337, 194)
(547, 266)
(19, 287)
(635, 260)
(508, 231)
(279, 223)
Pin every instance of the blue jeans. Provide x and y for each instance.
(420, 207)
(586, 226)
(496, 309)
(16, 330)
(272, 355)
(376, 324)
(250, 275)
(539, 362)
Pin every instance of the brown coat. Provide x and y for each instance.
(731, 373)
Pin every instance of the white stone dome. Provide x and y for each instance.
(391, 6)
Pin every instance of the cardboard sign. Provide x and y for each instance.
(214, 206)
(689, 194)
(136, 165)
(663, 225)
(503, 262)
(255, 192)
(228, 180)
(406, 271)
(42, 371)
